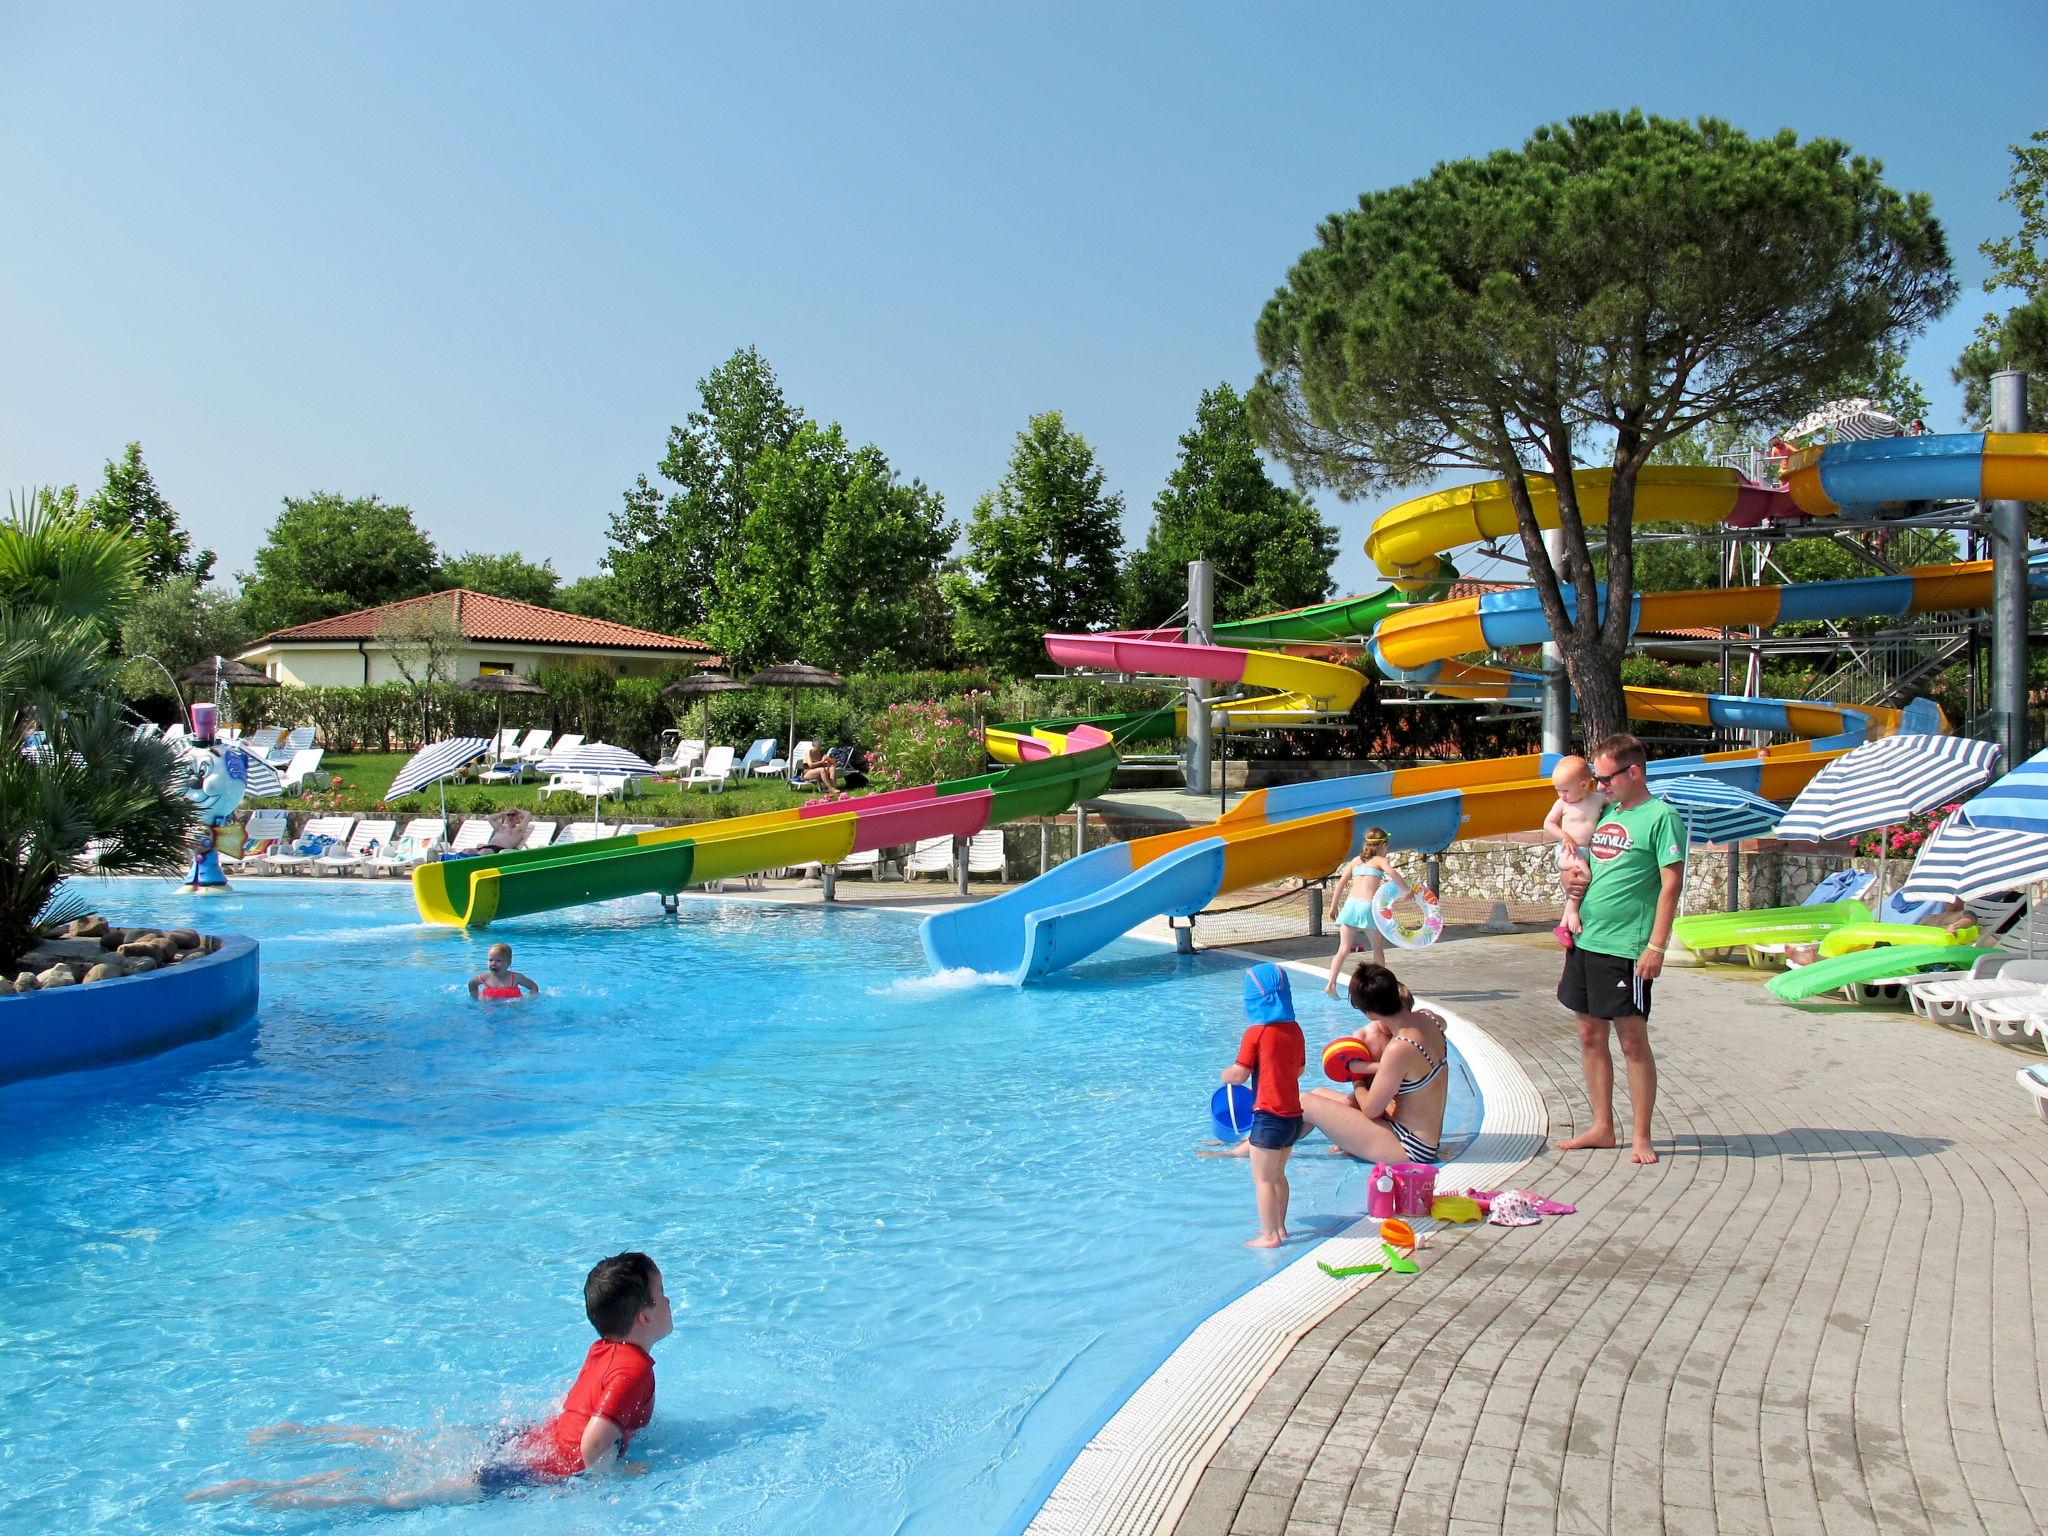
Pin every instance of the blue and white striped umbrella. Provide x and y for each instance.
(2018, 802)
(1962, 862)
(257, 776)
(599, 757)
(437, 760)
(1883, 783)
(1715, 812)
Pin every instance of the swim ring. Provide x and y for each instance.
(1430, 924)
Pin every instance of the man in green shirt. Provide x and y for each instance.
(1628, 900)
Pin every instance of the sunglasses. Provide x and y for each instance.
(1604, 779)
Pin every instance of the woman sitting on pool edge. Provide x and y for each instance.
(1396, 1114)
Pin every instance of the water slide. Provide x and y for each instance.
(1307, 830)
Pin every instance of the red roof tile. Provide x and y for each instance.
(497, 620)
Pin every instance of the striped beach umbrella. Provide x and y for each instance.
(599, 757)
(1886, 781)
(436, 761)
(1715, 812)
(257, 776)
(2018, 802)
(1962, 862)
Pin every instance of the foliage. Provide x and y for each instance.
(831, 562)
(671, 550)
(594, 597)
(512, 576)
(65, 585)
(1042, 552)
(179, 623)
(1593, 294)
(129, 503)
(924, 744)
(422, 640)
(1270, 548)
(1907, 839)
(327, 555)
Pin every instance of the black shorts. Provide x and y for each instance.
(1274, 1133)
(1603, 986)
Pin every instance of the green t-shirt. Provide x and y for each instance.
(1629, 849)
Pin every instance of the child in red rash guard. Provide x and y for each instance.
(611, 1401)
(1272, 1051)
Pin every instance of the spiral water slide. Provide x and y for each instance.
(1307, 830)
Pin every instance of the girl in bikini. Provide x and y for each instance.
(1351, 895)
(498, 981)
(1397, 1114)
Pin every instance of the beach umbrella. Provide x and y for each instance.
(1848, 421)
(2017, 803)
(1886, 781)
(1715, 812)
(603, 758)
(500, 683)
(256, 774)
(701, 685)
(433, 763)
(794, 675)
(1962, 862)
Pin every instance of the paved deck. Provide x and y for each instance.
(1826, 1310)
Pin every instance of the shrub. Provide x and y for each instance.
(923, 744)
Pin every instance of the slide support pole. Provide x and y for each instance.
(2009, 585)
(1201, 614)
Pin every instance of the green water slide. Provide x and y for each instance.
(1345, 619)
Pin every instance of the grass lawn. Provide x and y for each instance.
(360, 779)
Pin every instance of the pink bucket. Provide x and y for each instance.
(1414, 1188)
(1379, 1191)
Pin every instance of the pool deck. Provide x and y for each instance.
(1823, 1311)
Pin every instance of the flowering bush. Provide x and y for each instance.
(925, 743)
(1905, 840)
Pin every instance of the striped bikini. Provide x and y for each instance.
(1418, 1150)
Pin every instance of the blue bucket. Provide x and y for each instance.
(1230, 1112)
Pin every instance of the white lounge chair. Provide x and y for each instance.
(2008, 1020)
(261, 835)
(298, 740)
(931, 856)
(564, 744)
(422, 835)
(584, 832)
(262, 743)
(2034, 1080)
(539, 835)
(473, 834)
(293, 775)
(986, 854)
(369, 837)
(783, 767)
(757, 756)
(507, 740)
(334, 828)
(535, 746)
(678, 757)
(716, 769)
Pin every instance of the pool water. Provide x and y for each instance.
(923, 1234)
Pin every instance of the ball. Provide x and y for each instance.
(1339, 1055)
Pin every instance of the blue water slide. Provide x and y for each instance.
(989, 935)
(1180, 884)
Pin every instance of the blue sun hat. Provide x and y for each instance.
(1268, 999)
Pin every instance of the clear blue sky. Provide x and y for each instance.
(474, 257)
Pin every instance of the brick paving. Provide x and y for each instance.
(1821, 1312)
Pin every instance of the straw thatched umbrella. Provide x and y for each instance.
(794, 675)
(701, 685)
(217, 674)
(500, 683)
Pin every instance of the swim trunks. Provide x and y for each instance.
(1603, 986)
(1271, 1132)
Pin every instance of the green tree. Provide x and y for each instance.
(128, 502)
(1587, 298)
(328, 555)
(178, 623)
(1042, 552)
(671, 549)
(833, 563)
(1268, 544)
(2019, 263)
(65, 584)
(594, 597)
(512, 576)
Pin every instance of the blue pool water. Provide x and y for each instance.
(923, 1235)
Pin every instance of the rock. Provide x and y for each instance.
(6, 987)
(184, 938)
(113, 938)
(56, 976)
(158, 948)
(50, 951)
(187, 954)
(25, 982)
(91, 926)
(106, 972)
(140, 964)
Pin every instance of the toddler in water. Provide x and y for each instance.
(611, 1401)
(1351, 895)
(498, 979)
(1271, 1052)
(1571, 821)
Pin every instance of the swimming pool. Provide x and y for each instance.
(923, 1235)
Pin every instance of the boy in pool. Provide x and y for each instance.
(1273, 1051)
(611, 1401)
(1571, 821)
(497, 979)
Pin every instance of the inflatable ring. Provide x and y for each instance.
(1423, 933)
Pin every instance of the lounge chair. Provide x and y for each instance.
(334, 829)
(759, 755)
(369, 837)
(2007, 1020)
(508, 739)
(782, 767)
(850, 777)
(680, 757)
(584, 832)
(539, 835)
(986, 854)
(422, 835)
(299, 740)
(931, 856)
(472, 835)
(716, 769)
(535, 746)
(2034, 1080)
(262, 834)
(293, 775)
(262, 743)
(1945, 997)
(563, 744)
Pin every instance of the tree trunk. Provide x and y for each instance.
(1596, 679)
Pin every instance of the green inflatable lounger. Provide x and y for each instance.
(1767, 925)
(1873, 965)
